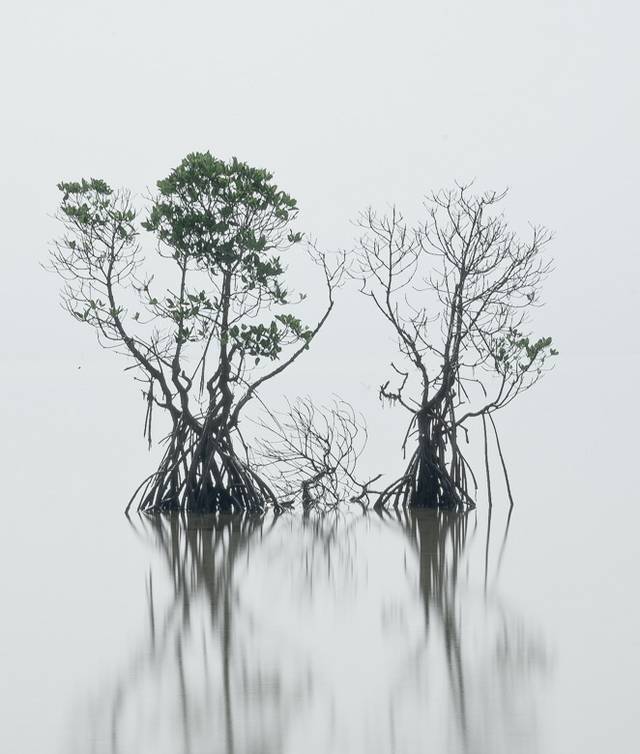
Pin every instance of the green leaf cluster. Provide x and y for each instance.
(225, 216)
(295, 326)
(520, 352)
(90, 204)
(224, 222)
(267, 341)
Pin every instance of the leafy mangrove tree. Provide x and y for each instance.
(216, 329)
(457, 290)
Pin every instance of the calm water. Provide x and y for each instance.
(331, 634)
(350, 634)
(326, 633)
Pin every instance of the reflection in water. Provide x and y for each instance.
(320, 633)
(193, 686)
(492, 661)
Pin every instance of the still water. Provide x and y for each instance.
(331, 634)
(342, 632)
(339, 632)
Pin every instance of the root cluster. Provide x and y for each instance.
(202, 473)
(437, 475)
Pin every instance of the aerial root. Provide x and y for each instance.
(202, 474)
(437, 476)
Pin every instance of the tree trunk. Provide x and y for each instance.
(426, 489)
(201, 472)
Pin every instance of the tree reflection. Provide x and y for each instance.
(322, 632)
(191, 685)
(493, 660)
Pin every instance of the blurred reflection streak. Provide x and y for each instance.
(493, 662)
(191, 687)
(323, 636)
(328, 548)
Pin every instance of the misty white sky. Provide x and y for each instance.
(349, 103)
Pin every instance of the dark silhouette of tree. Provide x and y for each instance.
(456, 290)
(206, 342)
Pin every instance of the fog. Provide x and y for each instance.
(350, 104)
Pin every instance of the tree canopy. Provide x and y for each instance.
(222, 326)
(457, 290)
(214, 319)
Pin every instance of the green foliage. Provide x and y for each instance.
(267, 340)
(75, 188)
(92, 204)
(228, 219)
(226, 216)
(224, 224)
(517, 352)
(191, 314)
(294, 326)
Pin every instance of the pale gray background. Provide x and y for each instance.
(349, 103)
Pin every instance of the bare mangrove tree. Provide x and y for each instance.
(311, 452)
(457, 290)
(206, 339)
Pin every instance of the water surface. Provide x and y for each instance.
(335, 632)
